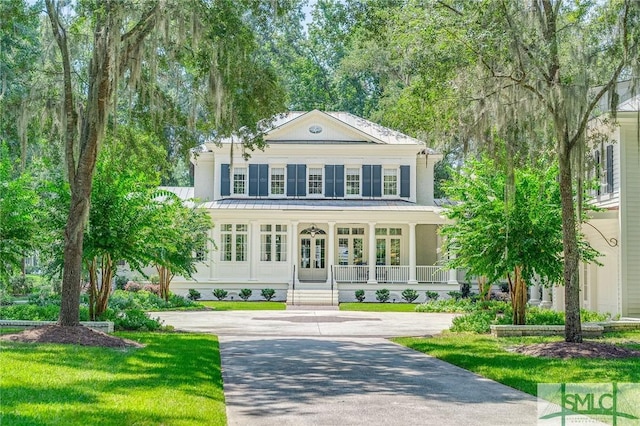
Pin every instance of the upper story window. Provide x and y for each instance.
(315, 181)
(353, 181)
(277, 181)
(390, 182)
(239, 180)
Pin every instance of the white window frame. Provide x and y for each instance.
(273, 232)
(246, 181)
(234, 232)
(284, 178)
(346, 185)
(322, 181)
(397, 173)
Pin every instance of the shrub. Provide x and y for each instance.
(382, 295)
(37, 313)
(152, 288)
(245, 294)
(360, 295)
(194, 294)
(268, 294)
(432, 296)
(5, 299)
(45, 297)
(455, 295)
(132, 319)
(474, 322)
(120, 282)
(220, 294)
(409, 295)
(133, 286)
(19, 285)
(155, 279)
(465, 290)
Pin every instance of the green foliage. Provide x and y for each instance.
(245, 294)
(409, 295)
(144, 300)
(20, 286)
(455, 294)
(19, 213)
(194, 294)
(132, 319)
(220, 293)
(447, 305)
(268, 293)
(37, 313)
(382, 295)
(360, 295)
(120, 281)
(432, 296)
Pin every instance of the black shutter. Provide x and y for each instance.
(301, 180)
(225, 181)
(291, 180)
(329, 185)
(609, 168)
(376, 181)
(263, 180)
(339, 181)
(596, 158)
(405, 185)
(366, 181)
(253, 180)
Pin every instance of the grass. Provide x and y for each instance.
(490, 358)
(239, 305)
(378, 307)
(174, 380)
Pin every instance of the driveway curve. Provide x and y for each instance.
(337, 368)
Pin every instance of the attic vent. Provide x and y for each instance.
(315, 129)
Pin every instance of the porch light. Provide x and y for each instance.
(313, 230)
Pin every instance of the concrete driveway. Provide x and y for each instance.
(337, 368)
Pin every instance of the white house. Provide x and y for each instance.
(335, 203)
(614, 287)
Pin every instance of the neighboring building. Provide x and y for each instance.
(334, 204)
(615, 231)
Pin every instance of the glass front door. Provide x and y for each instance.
(313, 258)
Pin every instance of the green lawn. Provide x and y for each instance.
(174, 380)
(227, 305)
(490, 358)
(378, 307)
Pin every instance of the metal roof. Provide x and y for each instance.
(317, 204)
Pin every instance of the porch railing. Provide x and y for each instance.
(431, 274)
(389, 274)
(351, 273)
(392, 274)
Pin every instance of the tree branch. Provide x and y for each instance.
(132, 39)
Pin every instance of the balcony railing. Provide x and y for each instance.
(431, 274)
(392, 274)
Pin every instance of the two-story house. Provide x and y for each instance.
(334, 203)
(614, 287)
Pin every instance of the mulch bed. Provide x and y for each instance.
(576, 350)
(79, 335)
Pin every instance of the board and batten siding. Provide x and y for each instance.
(630, 219)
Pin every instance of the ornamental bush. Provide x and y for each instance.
(220, 294)
(360, 295)
(194, 294)
(382, 295)
(268, 294)
(245, 294)
(432, 296)
(409, 295)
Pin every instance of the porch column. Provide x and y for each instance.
(546, 298)
(372, 254)
(535, 291)
(453, 273)
(412, 254)
(254, 250)
(293, 237)
(215, 236)
(331, 250)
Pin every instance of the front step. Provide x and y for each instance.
(312, 297)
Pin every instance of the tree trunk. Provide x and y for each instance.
(572, 327)
(105, 286)
(165, 276)
(484, 289)
(92, 267)
(518, 290)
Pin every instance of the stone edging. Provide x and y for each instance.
(588, 329)
(104, 326)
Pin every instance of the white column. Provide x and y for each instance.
(293, 237)
(372, 253)
(214, 234)
(453, 273)
(535, 291)
(412, 254)
(331, 250)
(254, 250)
(546, 297)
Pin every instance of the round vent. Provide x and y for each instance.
(315, 129)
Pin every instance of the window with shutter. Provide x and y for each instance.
(609, 168)
(225, 183)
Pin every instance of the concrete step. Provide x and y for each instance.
(312, 297)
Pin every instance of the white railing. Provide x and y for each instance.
(351, 273)
(431, 274)
(392, 274)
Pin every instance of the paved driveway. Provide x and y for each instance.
(336, 368)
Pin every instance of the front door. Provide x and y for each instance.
(313, 258)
